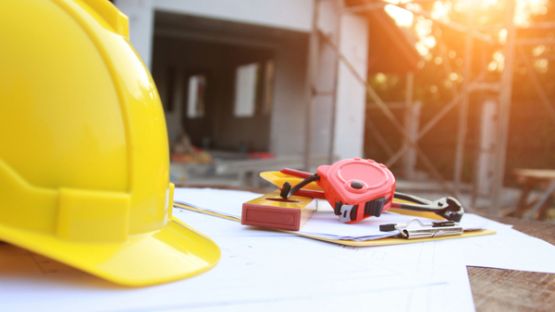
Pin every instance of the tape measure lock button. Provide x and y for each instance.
(357, 184)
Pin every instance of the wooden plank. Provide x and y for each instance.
(535, 179)
(539, 174)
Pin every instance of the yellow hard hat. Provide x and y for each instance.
(84, 164)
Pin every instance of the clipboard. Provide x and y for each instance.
(350, 243)
(392, 240)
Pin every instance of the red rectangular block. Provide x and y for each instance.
(273, 212)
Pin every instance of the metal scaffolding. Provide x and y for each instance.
(460, 99)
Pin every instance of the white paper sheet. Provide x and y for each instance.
(259, 270)
(322, 223)
(507, 249)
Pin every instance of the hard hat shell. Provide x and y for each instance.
(84, 164)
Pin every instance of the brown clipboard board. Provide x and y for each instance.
(351, 243)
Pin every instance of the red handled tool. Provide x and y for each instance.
(357, 189)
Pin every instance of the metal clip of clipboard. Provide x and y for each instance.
(424, 230)
(430, 232)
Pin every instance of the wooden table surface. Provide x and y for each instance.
(508, 290)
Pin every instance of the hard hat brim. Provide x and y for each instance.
(171, 253)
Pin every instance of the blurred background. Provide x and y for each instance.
(455, 96)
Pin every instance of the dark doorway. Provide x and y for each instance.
(216, 82)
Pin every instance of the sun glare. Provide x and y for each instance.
(401, 16)
(442, 10)
(527, 8)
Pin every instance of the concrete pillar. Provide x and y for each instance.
(485, 165)
(351, 94)
(412, 125)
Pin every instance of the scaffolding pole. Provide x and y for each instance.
(371, 93)
(505, 97)
(432, 122)
(503, 88)
(409, 163)
(463, 112)
(312, 65)
(333, 121)
(536, 83)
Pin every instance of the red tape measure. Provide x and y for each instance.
(357, 188)
(360, 188)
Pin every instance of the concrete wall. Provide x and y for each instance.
(285, 14)
(293, 15)
(287, 121)
(288, 115)
(203, 45)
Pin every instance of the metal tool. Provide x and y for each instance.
(423, 230)
(448, 207)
